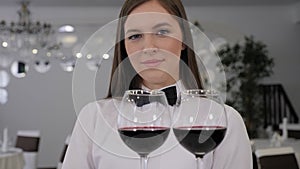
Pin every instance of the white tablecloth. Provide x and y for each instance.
(12, 159)
(266, 143)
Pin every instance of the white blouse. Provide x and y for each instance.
(96, 144)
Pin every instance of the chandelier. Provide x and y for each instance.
(26, 42)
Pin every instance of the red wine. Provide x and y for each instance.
(200, 140)
(144, 140)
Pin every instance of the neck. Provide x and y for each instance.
(153, 86)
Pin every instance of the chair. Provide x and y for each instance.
(254, 161)
(293, 130)
(28, 141)
(277, 158)
(62, 156)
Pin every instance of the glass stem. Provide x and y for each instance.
(144, 161)
(199, 163)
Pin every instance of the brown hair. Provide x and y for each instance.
(121, 74)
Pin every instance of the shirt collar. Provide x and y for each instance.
(179, 87)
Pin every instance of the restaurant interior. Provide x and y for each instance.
(43, 86)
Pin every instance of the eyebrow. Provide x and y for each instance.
(161, 24)
(132, 30)
(154, 27)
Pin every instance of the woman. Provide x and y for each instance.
(151, 41)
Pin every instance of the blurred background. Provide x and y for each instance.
(36, 83)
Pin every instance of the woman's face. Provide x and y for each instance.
(153, 42)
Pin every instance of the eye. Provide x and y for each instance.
(135, 36)
(163, 32)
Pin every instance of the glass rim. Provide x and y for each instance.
(142, 92)
(201, 92)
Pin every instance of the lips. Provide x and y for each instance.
(152, 62)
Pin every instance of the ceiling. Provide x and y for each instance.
(103, 3)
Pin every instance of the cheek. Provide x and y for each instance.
(130, 48)
(135, 59)
(171, 45)
(132, 52)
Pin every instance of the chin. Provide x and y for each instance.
(157, 76)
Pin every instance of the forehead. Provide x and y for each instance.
(149, 14)
(149, 20)
(149, 6)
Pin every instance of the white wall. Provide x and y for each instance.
(44, 102)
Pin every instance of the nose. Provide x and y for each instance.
(150, 47)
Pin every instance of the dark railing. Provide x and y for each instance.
(277, 105)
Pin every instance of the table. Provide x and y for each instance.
(290, 142)
(12, 159)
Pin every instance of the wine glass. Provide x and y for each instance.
(144, 121)
(200, 122)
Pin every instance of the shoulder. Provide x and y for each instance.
(104, 108)
(236, 132)
(96, 106)
(233, 116)
(235, 124)
(235, 145)
(90, 112)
